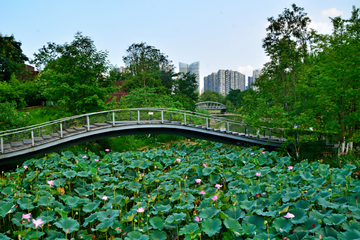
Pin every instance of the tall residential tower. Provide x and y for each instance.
(193, 68)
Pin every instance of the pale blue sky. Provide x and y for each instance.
(223, 34)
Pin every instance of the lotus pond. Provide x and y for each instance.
(184, 192)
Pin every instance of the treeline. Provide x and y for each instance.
(78, 78)
(311, 86)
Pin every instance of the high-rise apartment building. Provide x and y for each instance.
(224, 80)
(193, 68)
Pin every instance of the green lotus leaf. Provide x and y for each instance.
(83, 192)
(326, 204)
(104, 225)
(53, 234)
(258, 221)
(343, 173)
(4, 237)
(300, 216)
(316, 214)
(234, 213)
(104, 171)
(327, 232)
(307, 176)
(145, 165)
(68, 154)
(72, 201)
(349, 234)
(189, 198)
(291, 196)
(158, 235)
(17, 219)
(175, 218)
(136, 236)
(211, 226)
(150, 155)
(334, 219)
(5, 207)
(108, 214)
(90, 219)
(24, 203)
(318, 182)
(350, 225)
(68, 224)
(275, 197)
(260, 212)
(189, 229)
(207, 170)
(47, 216)
(162, 208)
(233, 225)
(248, 228)
(70, 174)
(134, 186)
(83, 174)
(282, 224)
(324, 194)
(311, 225)
(302, 204)
(176, 195)
(34, 235)
(157, 223)
(185, 206)
(247, 205)
(298, 235)
(208, 212)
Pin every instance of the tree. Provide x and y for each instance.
(185, 90)
(335, 77)
(74, 74)
(147, 67)
(11, 57)
(10, 118)
(208, 95)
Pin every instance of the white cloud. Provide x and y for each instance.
(247, 70)
(322, 27)
(331, 12)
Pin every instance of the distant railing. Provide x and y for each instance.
(30, 136)
(209, 105)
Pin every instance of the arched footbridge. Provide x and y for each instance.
(31, 141)
(208, 105)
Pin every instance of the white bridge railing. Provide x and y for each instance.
(30, 136)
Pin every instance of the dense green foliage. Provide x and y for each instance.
(10, 118)
(12, 58)
(311, 85)
(74, 75)
(182, 192)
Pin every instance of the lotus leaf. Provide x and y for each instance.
(157, 223)
(136, 236)
(24, 203)
(326, 204)
(349, 234)
(175, 218)
(158, 235)
(248, 228)
(291, 196)
(258, 221)
(334, 219)
(91, 206)
(247, 205)
(234, 213)
(207, 170)
(211, 226)
(208, 212)
(281, 224)
(68, 224)
(300, 216)
(233, 224)
(134, 186)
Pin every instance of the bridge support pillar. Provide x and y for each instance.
(61, 132)
(88, 122)
(2, 145)
(32, 138)
(227, 126)
(207, 122)
(162, 116)
(138, 117)
(185, 118)
(113, 119)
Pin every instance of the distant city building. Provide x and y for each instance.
(250, 81)
(193, 68)
(224, 80)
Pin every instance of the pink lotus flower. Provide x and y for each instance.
(263, 152)
(77, 161)
(202, 192)
(38, 222)
(204, 164)
(252, 153)
(51, 182)
(290, 168)
(289, 215)
(155, 166)
(107, 150)
(104, 198)
(96, 160)
(258, 174)
(140, 210)
(26, 167)
(320, 236)
(218, 186)
(26, 216)
(178, 160)
(198, 180)
(214, 198)
(197, 219)
(84, 156)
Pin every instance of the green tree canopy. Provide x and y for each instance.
(11, 57)
(208, 95)
(146, 66)
(75, 74)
